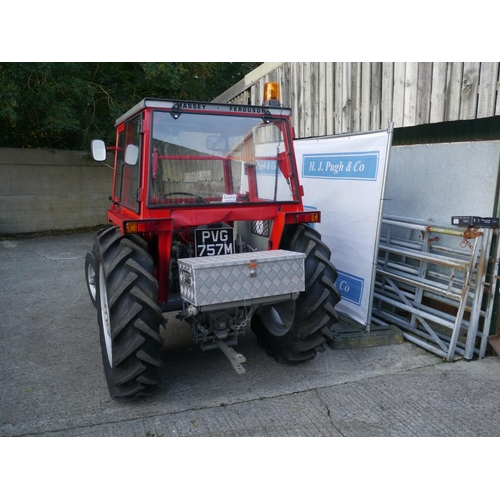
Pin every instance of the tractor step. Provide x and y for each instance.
(235, 358)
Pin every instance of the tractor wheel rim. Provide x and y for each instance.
(106, 324)
(277, 319)
(91, 281)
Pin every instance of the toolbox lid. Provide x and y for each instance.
(240, 258)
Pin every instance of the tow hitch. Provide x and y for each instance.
(235, 358)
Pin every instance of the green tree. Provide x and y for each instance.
(65, 105)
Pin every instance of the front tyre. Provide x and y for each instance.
(296, 330)
(128, 316)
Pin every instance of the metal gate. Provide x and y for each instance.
(438, 285)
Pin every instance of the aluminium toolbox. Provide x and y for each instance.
(242, 276)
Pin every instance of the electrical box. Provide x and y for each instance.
(472, 220)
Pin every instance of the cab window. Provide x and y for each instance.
(128, 165)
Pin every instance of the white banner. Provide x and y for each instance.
(344, 177)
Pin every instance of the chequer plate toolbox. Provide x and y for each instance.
(241, 276)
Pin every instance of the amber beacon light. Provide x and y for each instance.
(272, 94)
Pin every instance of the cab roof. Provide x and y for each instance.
(169, 104)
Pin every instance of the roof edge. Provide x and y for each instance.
(248, 81)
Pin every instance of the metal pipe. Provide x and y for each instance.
(420, 227)
(430, 348)
(427, 257)
(436, 288)
(461, 308)
(411, 309)
(495, 270)
(454, 251)
(379, 223)
(400, 267)
(400, 242)
(416, 316)
(478, 297)
(422, 307)
(398, 321)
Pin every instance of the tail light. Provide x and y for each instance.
(303, 217)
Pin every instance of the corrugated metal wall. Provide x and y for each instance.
(330, 98)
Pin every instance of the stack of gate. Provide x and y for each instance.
(438, 285)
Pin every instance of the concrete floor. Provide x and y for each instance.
(52, 382)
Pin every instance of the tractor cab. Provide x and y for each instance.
(172, 153)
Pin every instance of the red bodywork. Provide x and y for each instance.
(158, 224)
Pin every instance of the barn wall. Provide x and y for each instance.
(343, 97)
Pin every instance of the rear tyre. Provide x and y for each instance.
(296, 330)
(90, 277)
(128, 316)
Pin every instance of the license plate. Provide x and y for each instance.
(214, 241)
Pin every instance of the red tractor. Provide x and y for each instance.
(207, 219)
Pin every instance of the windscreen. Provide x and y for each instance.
(211, 159)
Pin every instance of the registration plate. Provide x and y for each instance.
(214, 241)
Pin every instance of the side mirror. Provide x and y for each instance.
(98, 149)
(131, 154)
